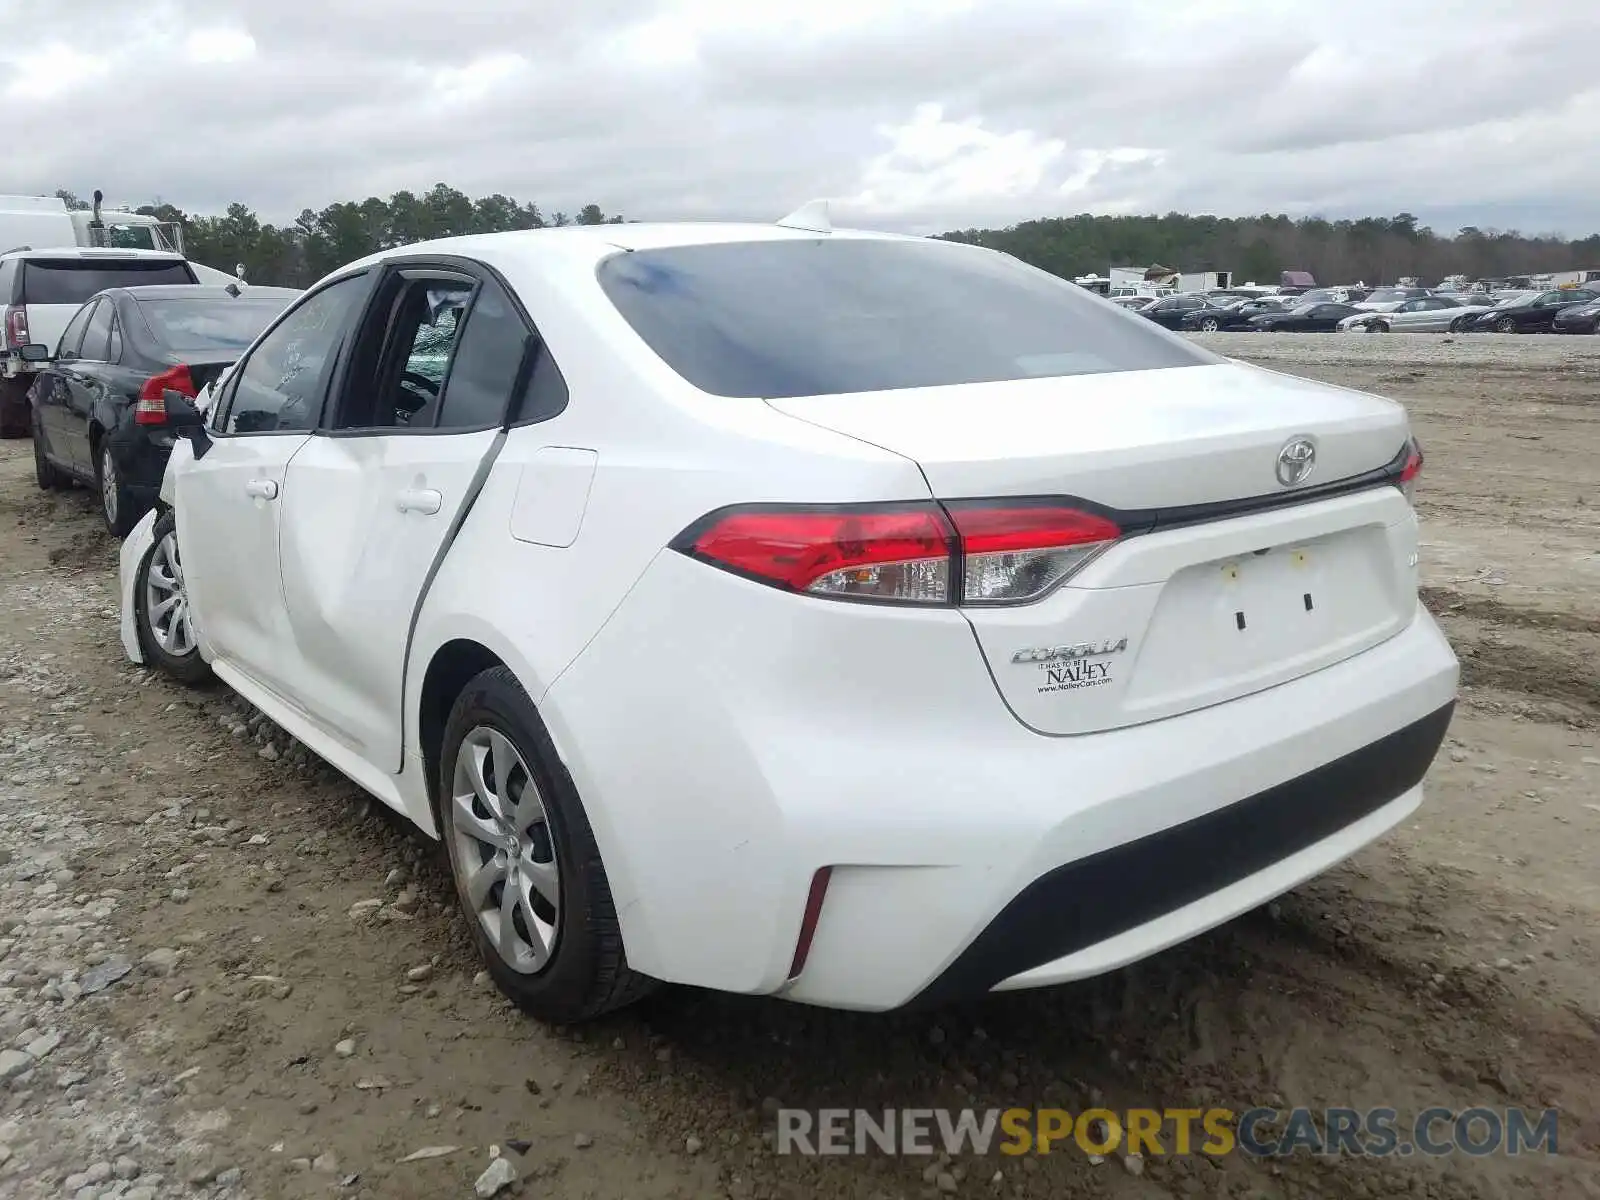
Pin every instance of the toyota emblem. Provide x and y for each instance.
(1296, 461)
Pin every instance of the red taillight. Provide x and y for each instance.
(1413, 468)
(151, 408)
(900, 552)
(16, 326)
(976, 552)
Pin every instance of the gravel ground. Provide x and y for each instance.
(223, 972)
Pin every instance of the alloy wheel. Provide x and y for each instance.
(1210, 325)
(505, 848)
(108, 485)
(166, 600)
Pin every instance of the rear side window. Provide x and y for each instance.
(97, 337)
(485, 370)
(74, 280)
(840, 315)
(208, 324)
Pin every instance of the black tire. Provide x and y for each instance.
(188, 667)
(49, 476)
(117, 504)
(1378, 327)
(1459, 325)
(15, 421)
(587, 973)
(1505, 325)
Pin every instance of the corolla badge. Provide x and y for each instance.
(1044, 654)
(1296, 461)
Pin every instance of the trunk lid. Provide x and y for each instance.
(1216, 596)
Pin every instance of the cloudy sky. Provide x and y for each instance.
(909, 114)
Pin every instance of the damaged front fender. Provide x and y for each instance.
(134, 549)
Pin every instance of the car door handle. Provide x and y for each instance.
(420, 500)
(262, 489)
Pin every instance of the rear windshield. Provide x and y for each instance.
(840, 315)
(208, 324)
(74, 280)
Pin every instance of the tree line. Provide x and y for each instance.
(1370, 249)
(1256, 249)
(300, 253)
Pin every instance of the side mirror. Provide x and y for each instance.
(183, 415)
(34, 352)
(185, 419)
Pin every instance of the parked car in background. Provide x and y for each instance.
(43, 289)
(99, 414)
(1133, 303)
(1579, 318)
(1169, 311)
(583, 610)
(1304, 318)
(1315, 296)
(1388, 299)
(1424, 314)
(1533, 312)
(1236, 315)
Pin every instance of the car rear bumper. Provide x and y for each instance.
(965, 852)
(140, 460)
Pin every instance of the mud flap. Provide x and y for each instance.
(134, 547)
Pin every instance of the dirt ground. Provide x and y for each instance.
(274, 1036)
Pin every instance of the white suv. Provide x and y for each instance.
(41, 290)
(829, 615)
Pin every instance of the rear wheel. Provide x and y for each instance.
(117, 503)
(50, 477)
(161, 608)
(14, 418)
(527, 869)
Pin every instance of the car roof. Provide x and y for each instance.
(94, 252)
(200, 291)
(600, 241)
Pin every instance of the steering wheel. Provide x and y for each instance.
(417, 383)
(421, 382)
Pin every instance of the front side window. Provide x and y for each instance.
(281, 385)
(838, 315)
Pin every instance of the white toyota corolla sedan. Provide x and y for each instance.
(850, 618)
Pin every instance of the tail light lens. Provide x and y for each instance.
(16, 326)
(974, 552)
(1014, 554)
(151, 407)
(1412, 469)
(900, 553)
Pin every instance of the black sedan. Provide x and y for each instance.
(1305, 318)
(1170, 311)
(1237, 315)
(98, 409)
(1579, 318)
(1534, 313)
